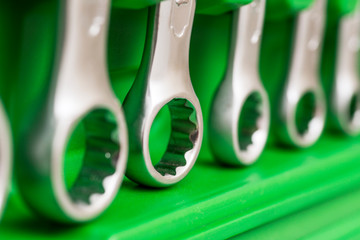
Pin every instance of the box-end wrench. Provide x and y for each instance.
(240, 115)
(164, 80)
(79, 93)
(346, 88)
(303, 107)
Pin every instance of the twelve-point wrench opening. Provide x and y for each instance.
(183, 135)
(253, 126)
(91, 157)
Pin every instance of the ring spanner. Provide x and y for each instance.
(79, 93)
(240, 115)
(164, 80)
(346, 89)
(303, 90)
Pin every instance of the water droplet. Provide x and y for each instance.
(95, 27)
(354, 44)
(256, 37)
(313, 44)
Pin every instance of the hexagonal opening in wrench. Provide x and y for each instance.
(305, 112)
(91, 155)
(249, 117)
(173, 133)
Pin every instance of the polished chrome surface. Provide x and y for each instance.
(347, 80)
(304, 78)
(240, 115)
(164, 79)
(79, 85)
(5, 158)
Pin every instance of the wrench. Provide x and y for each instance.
(164, 80)
(346, 89)
(240, 115)
(303, 107)
(79, 95)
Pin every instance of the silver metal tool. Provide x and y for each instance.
(80, 93)
(346, 89)
(240, 114)
(164, 80)
(5, 158)
(303, 107)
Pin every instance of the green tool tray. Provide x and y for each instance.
(287, 194)
(219, 202)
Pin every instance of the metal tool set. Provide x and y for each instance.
(231, 79)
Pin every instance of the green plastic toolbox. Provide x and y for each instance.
(289, 193)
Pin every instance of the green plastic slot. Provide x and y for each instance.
(210, 46)
(133, 4)
(277, 9)
(216, 202)
(215, 7)
(339, 8)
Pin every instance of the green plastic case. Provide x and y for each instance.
(214, 202)
(288, 193)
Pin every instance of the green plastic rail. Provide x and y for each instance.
(216, 202)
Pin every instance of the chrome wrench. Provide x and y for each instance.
(79, 93)
(240, 115)
(303, 90)
(164, 80)
(346, 89)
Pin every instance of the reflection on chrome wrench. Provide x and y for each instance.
(80, 92)
(5, 159)
(346, 92)
(303, 107)
(240, 115)
(164, 80)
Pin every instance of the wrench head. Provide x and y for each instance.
(239, 127)
(183, 135)
(91, 156)
(304, 114)
(178, 151)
